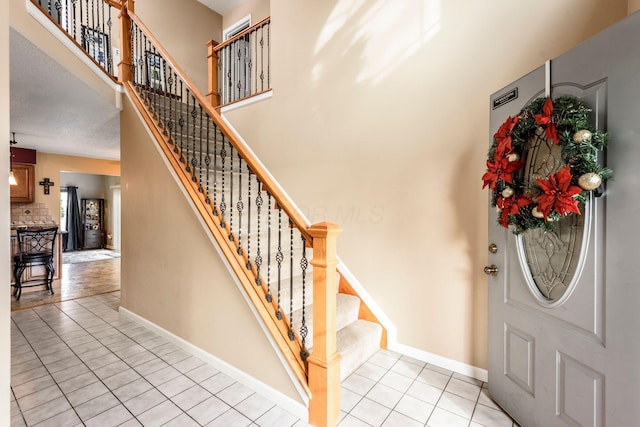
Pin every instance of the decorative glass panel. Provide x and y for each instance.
(552, 257)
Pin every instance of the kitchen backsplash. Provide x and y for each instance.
(30, 214)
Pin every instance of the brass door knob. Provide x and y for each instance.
(491, 270)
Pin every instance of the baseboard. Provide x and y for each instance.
(275, 396)
(443, 362)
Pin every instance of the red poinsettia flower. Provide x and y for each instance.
(512, 206)
(546, 119)
(558, 194)
(500, 169)
(503, 136)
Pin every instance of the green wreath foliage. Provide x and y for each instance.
(564, 120)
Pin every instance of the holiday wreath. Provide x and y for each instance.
(527, 205)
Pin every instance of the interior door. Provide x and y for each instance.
(563, 335)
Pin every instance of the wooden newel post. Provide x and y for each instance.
(324, 362)
(212, 62)
(124, 67)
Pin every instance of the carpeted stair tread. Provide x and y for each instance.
(357, 343)
(347, 309)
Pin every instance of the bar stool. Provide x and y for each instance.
(35, 247)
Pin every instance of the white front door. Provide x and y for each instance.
(564, 321)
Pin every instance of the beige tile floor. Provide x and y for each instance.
(77, 363)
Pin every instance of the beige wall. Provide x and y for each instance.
(171, 273)
(28, 27)
(258, 9)
(634, 5)
(379, 122)
(183, 27)
(5, 260)
(50, 165)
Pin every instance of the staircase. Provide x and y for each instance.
(357, 339)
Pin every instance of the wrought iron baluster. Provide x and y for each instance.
(304, 264)
(207, 162)
(93, 14)
(101, 21)
(163, 114)
(239, 205)
(220, 78)
(201, 153)
(258, 260)
(184, 156)
(230, 192)
(49, 6)
(73, 17)
(194, 150)
(262, 58)
(279, 259)
(215, 169)
(177, 102)
(238, 69)
(269, 55)
(181, 123)
(58, 6)
(269, 298)
(229, 78)
(290, 333)
(171, 95)
(223, 206)
(109, 50)
(249, 220)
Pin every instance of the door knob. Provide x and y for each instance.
(491, 270)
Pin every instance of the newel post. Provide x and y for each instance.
(212, 62)
(324, 362)
(124, 67)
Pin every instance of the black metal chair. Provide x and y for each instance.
(35, 247)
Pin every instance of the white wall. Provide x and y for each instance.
(379, 122)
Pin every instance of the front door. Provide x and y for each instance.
(564, 316)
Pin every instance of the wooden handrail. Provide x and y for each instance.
(245, 152)
(242, 34)
(70, 37)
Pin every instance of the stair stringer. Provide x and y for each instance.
(234, 263)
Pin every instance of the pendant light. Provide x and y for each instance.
(12, 178)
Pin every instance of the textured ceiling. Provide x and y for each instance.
(53, 111)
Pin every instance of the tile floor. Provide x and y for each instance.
(77, 363)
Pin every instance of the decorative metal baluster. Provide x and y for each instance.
(215, 169)
(200, 159)
(194, 160)
(207, 162)
(93, 14)
(49, 6)
(170, 94)
(220, 78)
(279, 259)
(230, 192)
(269, 298)
(101, 23)
(238, 69)
(269, 55)
(229, 78)
(304, 264)
(58, 6)
(223, 206)
(290, 333)
(163, 115)
(258, 260)
(239, 205)
(262, 58)
(73, 17)
(82, 34)
(184, 156)
(249, 220)
(181, 123)
(109, 53)
(176, 117)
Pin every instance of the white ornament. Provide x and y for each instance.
(582, 136)
(536, 213)
(507, 192)
(513, 157)
(589, 181)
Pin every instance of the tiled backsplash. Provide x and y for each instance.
(30, 214)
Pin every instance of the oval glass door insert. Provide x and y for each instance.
(551, 260)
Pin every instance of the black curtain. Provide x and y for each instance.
(74, 222)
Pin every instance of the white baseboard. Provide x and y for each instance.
(275, 396)
(443, 362)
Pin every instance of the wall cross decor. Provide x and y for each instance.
(46, 184)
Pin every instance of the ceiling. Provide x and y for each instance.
(55, 112)
(221, 6)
